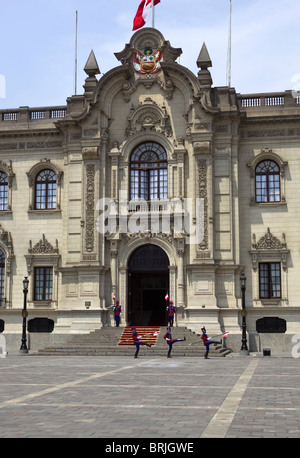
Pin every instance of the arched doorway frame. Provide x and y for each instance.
(137, 242)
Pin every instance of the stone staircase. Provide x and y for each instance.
(105, 342)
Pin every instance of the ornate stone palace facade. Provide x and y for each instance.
(152, 182)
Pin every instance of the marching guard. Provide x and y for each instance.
(207, 342)
(170, 341)
(117, 313)
(171, 313)
(138, 342)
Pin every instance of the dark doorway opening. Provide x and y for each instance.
(147, 286)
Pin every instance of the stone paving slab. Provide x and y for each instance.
(159, 398)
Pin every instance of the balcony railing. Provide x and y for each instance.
(286, 99)
(26, 114)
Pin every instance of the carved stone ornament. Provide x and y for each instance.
(201, 147)
(7, 169)
(90, 209)
(42, 253)
(144, 41)
(202, 193)
(269, 248)
(89, 152)
(147, 236)
(149, 117)
(6, 245)
(43, 247)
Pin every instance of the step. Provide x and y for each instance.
(111, 342)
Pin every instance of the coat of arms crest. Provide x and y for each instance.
(148, 61)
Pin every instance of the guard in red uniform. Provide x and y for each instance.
(170, 341)
(117, 313)
(207, 342)
(138, 342)
(171, 313)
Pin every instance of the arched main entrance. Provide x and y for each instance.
(148, 283)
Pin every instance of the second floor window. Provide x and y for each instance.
(267, 182)
(269, 280)
(3, 191)
(148, 172)
(43, 284)
(45, 190)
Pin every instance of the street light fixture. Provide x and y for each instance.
(244, 348)
(24, 349)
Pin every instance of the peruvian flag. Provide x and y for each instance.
(142, 13)
(167, 297)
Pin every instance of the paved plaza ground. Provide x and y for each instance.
(159, 398)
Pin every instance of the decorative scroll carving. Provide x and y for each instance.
(6, 245)
(147, 236)
(267, 248)
(268, 242)
(202, 187)
(90, 208)
(149, 117)
(43, 247)
(42, 253)
(7, 168)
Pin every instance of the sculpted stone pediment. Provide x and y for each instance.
(148, 116)
(269, 248)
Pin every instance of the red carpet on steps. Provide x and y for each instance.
(145, 331)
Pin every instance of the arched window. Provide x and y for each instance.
(2, 277)
(148, 172)
(45, 190)
(267, 182)
(3, 191)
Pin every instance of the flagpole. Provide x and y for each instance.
(229, 50)
(152, 13)
(76, 53)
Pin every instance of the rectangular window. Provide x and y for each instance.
(43, 284)
(45, 196)
(3, 197)
(269, 280)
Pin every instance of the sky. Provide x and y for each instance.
(37, 43)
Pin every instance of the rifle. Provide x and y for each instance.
(224, 334)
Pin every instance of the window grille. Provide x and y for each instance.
(274, 101)
(45, 190)
(3, 191)
(37, 114)
(269, 280)
(43, 284)
(267, 182)
(58, 114)
(251, 102)
(10, 116)
(148, 172)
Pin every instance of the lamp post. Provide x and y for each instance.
(244, 348)
(24, 349)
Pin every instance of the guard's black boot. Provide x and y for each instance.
(148, 345)
(205, 355)
(169, 354)
(136, 354)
